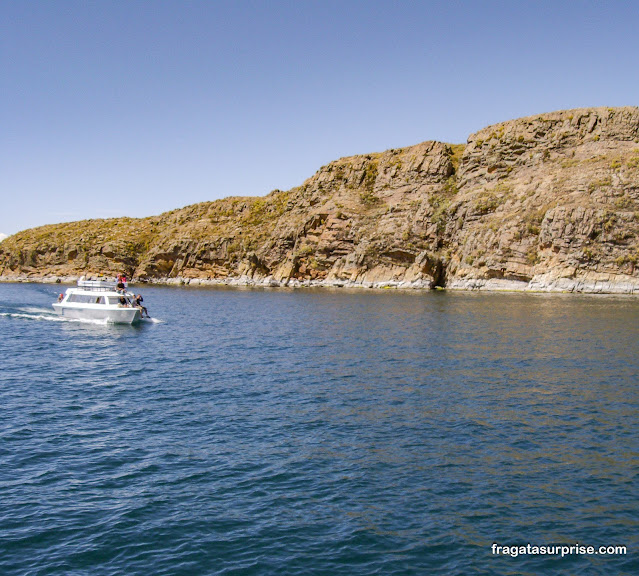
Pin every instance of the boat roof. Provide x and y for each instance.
(97, 285)
(101, 287)
(98, 292)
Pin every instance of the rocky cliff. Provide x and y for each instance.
(549, 202)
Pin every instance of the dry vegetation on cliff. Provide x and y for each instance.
(545, 202)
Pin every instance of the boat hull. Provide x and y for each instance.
(108, 314)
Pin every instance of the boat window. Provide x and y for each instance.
(114, 301)
(86, 299)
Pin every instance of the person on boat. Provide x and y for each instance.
(137, 302)
(120, 285)
(61, 297)
(123, 303)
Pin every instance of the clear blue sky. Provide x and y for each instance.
(113, 108)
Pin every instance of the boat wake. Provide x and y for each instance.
(35, 310)
(47, 316)
(51, 318)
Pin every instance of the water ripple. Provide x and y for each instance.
(286, 432)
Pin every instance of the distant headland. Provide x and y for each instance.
(545, 203)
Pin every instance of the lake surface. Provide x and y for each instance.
(319, 432)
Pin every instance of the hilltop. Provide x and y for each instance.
(547, 202)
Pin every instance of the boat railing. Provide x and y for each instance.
(97, 285)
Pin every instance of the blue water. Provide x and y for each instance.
(319, 432)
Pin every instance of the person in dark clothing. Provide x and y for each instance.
(137, 302)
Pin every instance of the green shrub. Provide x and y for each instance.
(370, 175)
(532, 257)
(487, 202)
(368, 198)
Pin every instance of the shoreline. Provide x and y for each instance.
(537, 285)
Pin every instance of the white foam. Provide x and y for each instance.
(35, 310)
(52, 318)
(45, 314)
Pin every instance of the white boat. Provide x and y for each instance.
(98, 300)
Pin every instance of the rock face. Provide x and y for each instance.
(549, 202)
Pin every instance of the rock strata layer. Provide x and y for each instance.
(544, 203)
